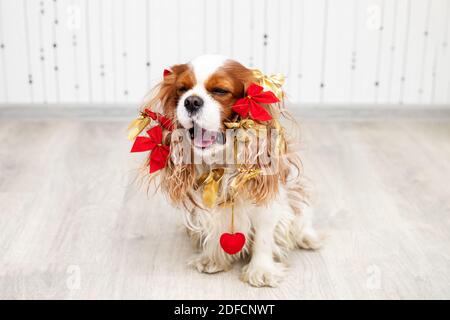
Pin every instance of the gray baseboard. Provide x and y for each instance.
(306, 111)
(77, 111)
(372, 112)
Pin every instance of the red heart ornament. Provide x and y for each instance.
(232, 243)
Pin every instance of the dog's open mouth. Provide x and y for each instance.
(203, 138)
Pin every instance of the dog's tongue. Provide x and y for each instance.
(204, 138)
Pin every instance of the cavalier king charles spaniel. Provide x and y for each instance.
(231, 167)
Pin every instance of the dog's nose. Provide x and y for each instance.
(193, 103)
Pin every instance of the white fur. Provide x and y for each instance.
(271, 231)
(206, 65)
(208, 116)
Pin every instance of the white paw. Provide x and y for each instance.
(309, 239)
(267, 274)
(206, 265)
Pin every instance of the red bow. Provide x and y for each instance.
(250, 105)
(160, 152)
(163, 120)
(166, 72)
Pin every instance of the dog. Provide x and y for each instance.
(267, 207)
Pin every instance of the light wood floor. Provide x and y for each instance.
(72, 225)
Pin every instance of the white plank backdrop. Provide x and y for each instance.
(332, 51)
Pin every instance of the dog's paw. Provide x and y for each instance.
(206, 265)
(309, 239)
(263, 274)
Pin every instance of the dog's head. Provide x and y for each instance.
(199, 95)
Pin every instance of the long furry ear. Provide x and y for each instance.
(288, 165)
(176, 179)
(162, 97)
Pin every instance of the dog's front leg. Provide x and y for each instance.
(209, 264)
(208, 228)
(262, 269)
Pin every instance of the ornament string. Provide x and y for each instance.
(232, 218)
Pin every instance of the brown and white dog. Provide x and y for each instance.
(271, 210)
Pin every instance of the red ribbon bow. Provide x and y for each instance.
(163, 120)
(250, 105)
(160, 152)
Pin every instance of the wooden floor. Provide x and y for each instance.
(72, 224)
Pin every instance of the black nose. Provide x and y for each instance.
(193, 103)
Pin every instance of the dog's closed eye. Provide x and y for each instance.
(182, 90)
(219, 91)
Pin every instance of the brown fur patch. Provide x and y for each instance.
(233, 77)
(171, 88)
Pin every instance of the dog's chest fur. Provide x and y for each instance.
(205, 226)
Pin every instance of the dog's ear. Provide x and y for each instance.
(170, 75)
(163, 96)
(168, 91)
(243, 75)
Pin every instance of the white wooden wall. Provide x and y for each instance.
(332, 51)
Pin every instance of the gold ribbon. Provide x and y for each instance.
(244, 175)
(272, 82)
(137, 125)
(280, 143)
(211, 182)
(244, 124)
